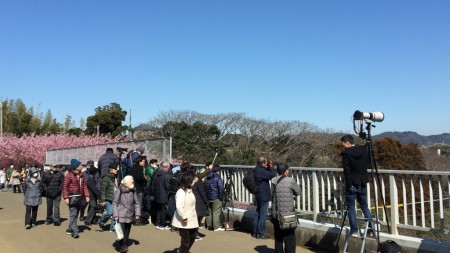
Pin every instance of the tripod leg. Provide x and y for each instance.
(342, 227)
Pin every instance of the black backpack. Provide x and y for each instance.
(390, 247)
(249, 181)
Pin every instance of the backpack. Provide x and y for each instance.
(390, 247)
(249, 181)
(171, 206)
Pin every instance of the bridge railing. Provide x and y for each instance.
(417, 200)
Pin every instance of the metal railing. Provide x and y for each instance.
(160, 149)
(417, 200)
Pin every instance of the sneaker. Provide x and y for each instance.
(33, 225)
(198, 238)
(262, 237)
(27, 226)
(112, 231)
(353, 232)
(167, 228)
(57, 223)
(219, 229)
(69, 231)
(100, 227)
(159, 227)
(75, 236)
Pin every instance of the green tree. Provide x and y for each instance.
(109, 119)
(196, 142)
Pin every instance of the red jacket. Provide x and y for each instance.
(74, 183)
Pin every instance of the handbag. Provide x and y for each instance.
(285, 221)
(74, 199)
(119, 231)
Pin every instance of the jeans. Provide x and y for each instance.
(284, 238)
(108, 214)
(53, 209)
(259, 223)
(187, 239)
(31, 215)
(213, 220)
(73, 214)
(357, 193)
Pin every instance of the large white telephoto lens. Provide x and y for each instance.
(373, 116)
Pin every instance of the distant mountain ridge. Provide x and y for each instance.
(413, 137)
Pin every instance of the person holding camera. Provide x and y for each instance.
(74, 190)
(263, 174)
(283, 202)
(355, 161)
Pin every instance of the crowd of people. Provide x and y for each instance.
(135, 191)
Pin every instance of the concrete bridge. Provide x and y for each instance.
(14, 238)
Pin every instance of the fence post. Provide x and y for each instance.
(394, 204)
(315, 193)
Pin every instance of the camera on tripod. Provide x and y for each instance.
(373, 116)
(120, 149)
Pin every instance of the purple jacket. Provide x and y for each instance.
(126, 204)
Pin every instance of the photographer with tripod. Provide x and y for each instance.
(355, 160)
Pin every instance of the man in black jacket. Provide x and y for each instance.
(355, 161)
(263, 174)
(93, 185)
(106, 160)
(52, 183)
(161, 193)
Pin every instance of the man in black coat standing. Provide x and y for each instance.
(162, 185)
(355, 160)
(263, 174)
(52, 183)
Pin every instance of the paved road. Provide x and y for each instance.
(48, 238)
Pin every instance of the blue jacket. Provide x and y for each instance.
(214, 187)
(262, 177)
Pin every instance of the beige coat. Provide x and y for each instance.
(185, 203)
(15, 178)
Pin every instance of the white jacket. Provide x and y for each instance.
(185, 203)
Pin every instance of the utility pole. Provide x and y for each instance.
(98, 130)
(130, 129)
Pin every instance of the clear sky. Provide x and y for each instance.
(314, 61)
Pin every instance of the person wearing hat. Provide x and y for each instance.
(74, 189)
(33, 197)
(108, 187)
(51, 185)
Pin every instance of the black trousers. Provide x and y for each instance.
(83, 206)
(126, 228)
(53, 209)
(161, 209)
(91, 211)
(31, 215)
(285, 237)
(187, 239)
(16, 188)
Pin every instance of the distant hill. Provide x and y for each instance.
(413, 137)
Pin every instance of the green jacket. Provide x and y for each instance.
(108, 187)
(149, 174)
(8, 173)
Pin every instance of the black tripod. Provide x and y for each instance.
(230, 196)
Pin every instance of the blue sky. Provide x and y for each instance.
(314, 61)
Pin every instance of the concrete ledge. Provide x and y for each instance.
(325, 235)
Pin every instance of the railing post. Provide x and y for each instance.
(394, 204)
(316, 195)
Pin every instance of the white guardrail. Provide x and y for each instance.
(417, 200)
